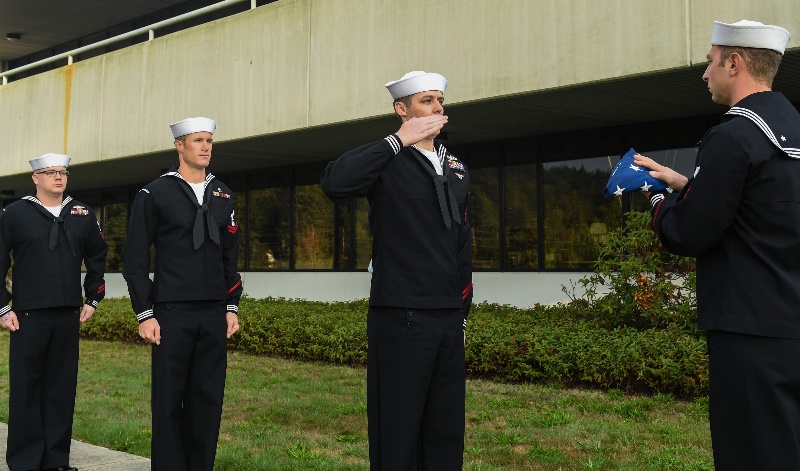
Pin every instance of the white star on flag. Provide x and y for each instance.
(619, 191)
(636, 168)
(646, 186)
(783, 138)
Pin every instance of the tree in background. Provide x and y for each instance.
(639, 284)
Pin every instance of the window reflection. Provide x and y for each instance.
(115, 228)
(577, 216)
(269, 232)
(354, 238)
(521, 230)
(314, 228)
(344, 234)
(362, 234)
(504, 212)
(484, 217)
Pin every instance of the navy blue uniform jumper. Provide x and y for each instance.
(740, 218)
(417, 260)
(48, 252)
(420, 296)
(195, 283)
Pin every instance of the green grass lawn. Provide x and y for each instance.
(290, 415)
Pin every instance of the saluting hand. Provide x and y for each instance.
(10, 321)
(87, 312)
(233, 323)
(150, 330)
(419, 129)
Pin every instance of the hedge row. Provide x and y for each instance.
(545, 344)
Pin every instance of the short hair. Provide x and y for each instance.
(762, 63)
(406, 100)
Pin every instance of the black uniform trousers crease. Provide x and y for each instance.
(754, 392)
(43, 359)
(417, 407)
(188, 371)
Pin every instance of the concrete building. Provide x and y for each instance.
(543, 98)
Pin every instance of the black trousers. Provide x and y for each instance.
(43, 375)
(188, 376)
(754, 402)
(416, 380)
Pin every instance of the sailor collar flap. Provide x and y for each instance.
(57, 220)
(444, 192)
(202, 209)
(767, 111)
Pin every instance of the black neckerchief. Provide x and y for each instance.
(202, 209)
(447, 202)
(57, 220)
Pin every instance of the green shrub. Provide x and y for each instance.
(113, 320)
(553, 344)
(649, 287)
(634, 329)
(316, 331)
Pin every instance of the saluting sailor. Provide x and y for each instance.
(740, 217)
(50, 236)
(421, 280)
(190, 307)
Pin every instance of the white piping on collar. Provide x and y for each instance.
(792, 152)
(36, 200)
(209, 177)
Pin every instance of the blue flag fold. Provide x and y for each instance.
(628, 177)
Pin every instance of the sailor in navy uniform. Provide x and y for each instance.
(190, 307)
(421, 281)
(740, 217)
(50, 236)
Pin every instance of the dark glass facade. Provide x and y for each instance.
(535, 205)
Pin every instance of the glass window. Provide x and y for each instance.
(484, 217)
(344, 234)
(521, 230)
(115, 228)
(269, 235)
(576, 214)
(354, 237)
(363, 236)
(313, 228)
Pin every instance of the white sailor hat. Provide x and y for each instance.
(748, 33)
(191, 125)
(415, 82)
(49, 160)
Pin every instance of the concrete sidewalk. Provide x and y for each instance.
(87, 457)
